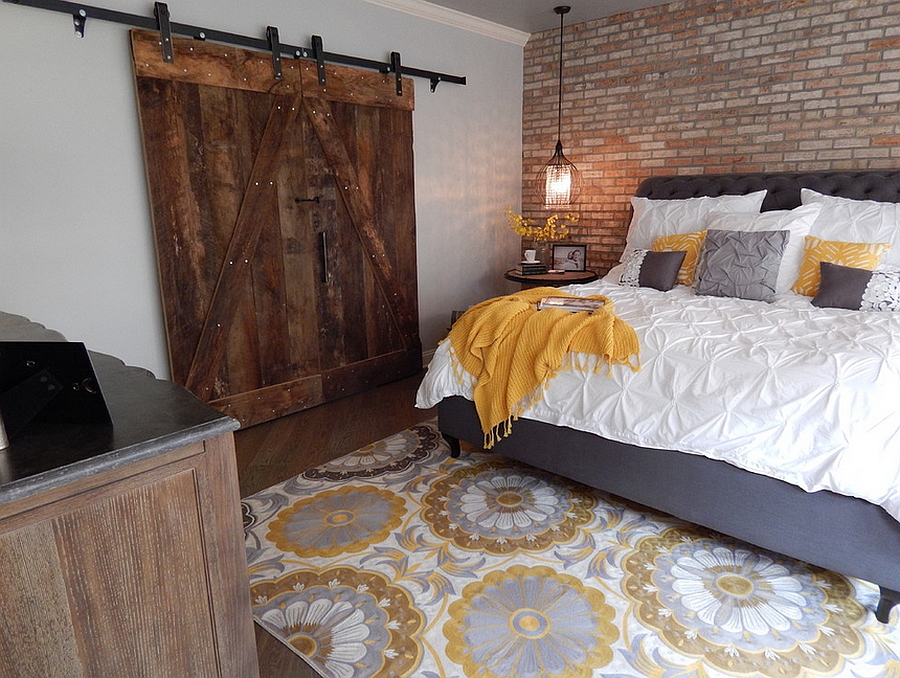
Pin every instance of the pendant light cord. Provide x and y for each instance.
(562, 10)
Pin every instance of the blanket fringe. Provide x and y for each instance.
(512, 351)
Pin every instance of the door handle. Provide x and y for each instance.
(323, 241)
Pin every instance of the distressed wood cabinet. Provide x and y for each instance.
(121, 547)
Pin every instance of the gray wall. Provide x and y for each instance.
(76, 248)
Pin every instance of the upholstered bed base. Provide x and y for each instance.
(840, 533)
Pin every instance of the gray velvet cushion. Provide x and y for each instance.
(841, 286)
(858, 289)
(741, 263)
(658, 270)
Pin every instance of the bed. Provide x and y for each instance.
(819, 521)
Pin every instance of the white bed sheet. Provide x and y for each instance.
(807, 395)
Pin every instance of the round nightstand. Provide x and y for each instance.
(551, 279)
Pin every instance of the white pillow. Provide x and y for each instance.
(798, 221)
(653, 218)
(849, 220)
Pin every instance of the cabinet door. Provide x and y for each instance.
(130, 575)
(285, 225)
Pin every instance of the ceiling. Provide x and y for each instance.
(531, 16)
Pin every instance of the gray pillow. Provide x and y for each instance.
(841, 286)
(741, 264)
(858, 289)
(658, 270)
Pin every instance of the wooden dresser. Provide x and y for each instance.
(121, 547)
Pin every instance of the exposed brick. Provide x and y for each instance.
(711, 86)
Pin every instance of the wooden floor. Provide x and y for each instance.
(277, 450)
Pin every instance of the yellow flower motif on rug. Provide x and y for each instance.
(748, 612)
(495, 508)
(526, 622)
(345, 620)
(402, 562)
(346, 520)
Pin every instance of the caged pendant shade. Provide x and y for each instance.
(559, 182)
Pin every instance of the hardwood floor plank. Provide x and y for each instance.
(277, 661)
(274, 451)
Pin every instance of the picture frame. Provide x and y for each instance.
(568, 257)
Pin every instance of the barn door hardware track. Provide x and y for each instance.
(160, 21)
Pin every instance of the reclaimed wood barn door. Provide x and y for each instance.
(284, 219)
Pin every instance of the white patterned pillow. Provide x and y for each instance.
(856, 221)
(883, 291)
(654, 218)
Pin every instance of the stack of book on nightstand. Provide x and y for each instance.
(530, 268)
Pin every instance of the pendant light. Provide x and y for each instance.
(559, 181)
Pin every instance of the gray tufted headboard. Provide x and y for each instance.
(784, 187)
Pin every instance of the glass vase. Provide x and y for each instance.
(542, 252)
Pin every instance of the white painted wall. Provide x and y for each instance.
(76, 247)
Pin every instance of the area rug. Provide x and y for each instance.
(397, 560)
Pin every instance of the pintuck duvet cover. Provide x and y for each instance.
(804, 394)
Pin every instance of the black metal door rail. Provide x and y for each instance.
(161, 22)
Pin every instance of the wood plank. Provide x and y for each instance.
(335, 268)
(139, 550)
(259, 196)
(272, 344)
(355, 125)
(270, 402)
(228, 130)
(361, 209)
(69, 496)
(388, 189)
(367, 374)
(398, 202)
(226, 558)
(358, 87)
(179, 214)
(343, 310)
(304, 191)
(32, 589)
(210, 63)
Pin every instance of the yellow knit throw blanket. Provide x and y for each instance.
(512, 350)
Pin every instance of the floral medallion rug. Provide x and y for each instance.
(397, 560)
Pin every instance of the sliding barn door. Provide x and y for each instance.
(284, 219)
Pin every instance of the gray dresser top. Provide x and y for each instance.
(149, 417)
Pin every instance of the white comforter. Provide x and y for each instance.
(810, 396)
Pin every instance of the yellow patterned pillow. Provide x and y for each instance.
(682, 242)
(853, 254)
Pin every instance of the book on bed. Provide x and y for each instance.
(574, 304)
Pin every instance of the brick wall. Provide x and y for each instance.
(711, 87)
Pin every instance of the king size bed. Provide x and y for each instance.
(807, 462)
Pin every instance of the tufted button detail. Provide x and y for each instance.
(783, 187)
